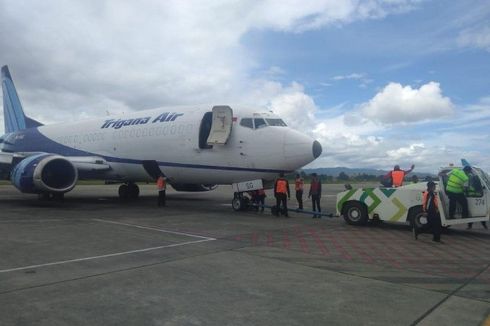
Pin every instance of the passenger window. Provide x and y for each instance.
(259, 123)
(247, 122)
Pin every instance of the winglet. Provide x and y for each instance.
(13, 114)
(465, 162)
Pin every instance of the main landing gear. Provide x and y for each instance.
(129, 190)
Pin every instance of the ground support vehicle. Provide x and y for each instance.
(404, 204)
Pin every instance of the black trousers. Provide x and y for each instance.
(433, 225)
(281, 198)
(260, 201)
(161, 197)
(457, 198)
(299, 198)
(315, 200)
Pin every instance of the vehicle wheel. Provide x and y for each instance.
(123, 191)
(355, 213)
(417, 217)
(246, 203)
(237, 204)
(134, 190)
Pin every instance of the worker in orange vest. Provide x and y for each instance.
(162, 187)
(281, 190)
(397, 175)
(298, 186)
(315, 194)
(430, 206)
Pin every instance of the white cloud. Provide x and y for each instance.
(297, 108)
(356, 76)
(399, 104)
(141, 55)
(404, 152)
(478, 37)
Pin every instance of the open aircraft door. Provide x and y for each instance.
(222, 122)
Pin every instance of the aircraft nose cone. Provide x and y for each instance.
(317, 149)
(298, 149)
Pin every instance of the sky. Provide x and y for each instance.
(377, 82)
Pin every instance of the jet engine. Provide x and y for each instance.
(44, 173)
(193, 187)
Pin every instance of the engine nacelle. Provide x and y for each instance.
(193, 187)
(44, 173)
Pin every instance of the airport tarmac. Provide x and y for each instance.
(94, 260)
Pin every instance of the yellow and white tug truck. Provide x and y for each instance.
(404, 204)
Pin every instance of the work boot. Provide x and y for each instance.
(415, 233)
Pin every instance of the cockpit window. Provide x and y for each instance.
(259, 122)
(276, 122)
(247, 122)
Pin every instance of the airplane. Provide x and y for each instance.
(195, 148)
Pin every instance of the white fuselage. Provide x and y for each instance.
(249, 153)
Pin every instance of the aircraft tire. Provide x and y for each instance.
(123, 191)
(237, 204)
(133, 191)
(355, 213)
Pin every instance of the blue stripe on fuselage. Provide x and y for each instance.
(31, 140)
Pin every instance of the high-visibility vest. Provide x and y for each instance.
(282, 186)
(161, 184)
(397, 178)
(299, 184)
(456, 181)
(426, 205)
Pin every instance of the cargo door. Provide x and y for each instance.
(222, 121)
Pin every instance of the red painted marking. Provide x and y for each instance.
(269, 239)
(364, 255)
(319, 242)
(337, 246)
(255, 238)
(302, 242)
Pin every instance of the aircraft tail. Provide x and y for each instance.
(465, 162)
(13, 114)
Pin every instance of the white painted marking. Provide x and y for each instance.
(204, 239)
(154, 229)
(102, 256)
